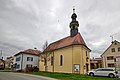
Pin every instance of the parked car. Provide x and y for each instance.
(103, 72)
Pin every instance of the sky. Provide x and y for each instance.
(28, 24)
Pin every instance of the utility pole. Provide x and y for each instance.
(1, 54)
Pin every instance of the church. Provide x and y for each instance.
(69, 54)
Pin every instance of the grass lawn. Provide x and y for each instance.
(66, 76)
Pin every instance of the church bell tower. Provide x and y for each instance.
(73, 24)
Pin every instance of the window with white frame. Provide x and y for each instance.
(17, 66)
(18, 59)
(29, 66)
(29, 58)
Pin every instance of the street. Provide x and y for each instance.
(21, 76)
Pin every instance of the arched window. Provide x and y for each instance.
(61, 60)
(52, 59)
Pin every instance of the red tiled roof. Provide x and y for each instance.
(29, 51)
(66, 42)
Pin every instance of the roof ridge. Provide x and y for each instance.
(67, 41)
(116, 41)
(64, 38)
(109, 46)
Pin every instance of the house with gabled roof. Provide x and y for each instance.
(95, 63)
(68, 55)
(110, 54)
(2, 64)
(9, 62)
(27, 59)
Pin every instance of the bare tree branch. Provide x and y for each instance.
(45, 54)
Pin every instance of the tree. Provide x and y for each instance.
(45, 55)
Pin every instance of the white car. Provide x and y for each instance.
(103, 72)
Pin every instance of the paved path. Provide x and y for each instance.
(21, 76)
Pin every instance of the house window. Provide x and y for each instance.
(29, 66)
(18, 59)
(111, 65)
(52, 60)
(115, 43)
(86, 53)
(61, 60)
(29, 58)
(17, 66)
(110, 58)
(119, 49)
(87, 56)
(113, 49)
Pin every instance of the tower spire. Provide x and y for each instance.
(74, 24)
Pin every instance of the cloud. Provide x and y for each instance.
(27, 24)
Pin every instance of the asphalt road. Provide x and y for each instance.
(21, 76)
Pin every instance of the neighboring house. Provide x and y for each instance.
(27, 59)
(96, 63)
(117, 64)
(2, 64)
(68, 55)
(9, 62)
(110, 54)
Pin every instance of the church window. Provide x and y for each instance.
(52, 60)
(61, 60)
(86, 53)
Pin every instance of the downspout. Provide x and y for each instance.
(22, 61)
(105, 62)
(72, 60)
(82, 61)
(53, 61)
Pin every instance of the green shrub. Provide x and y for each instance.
(35, 69)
